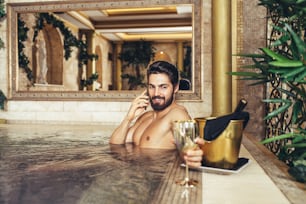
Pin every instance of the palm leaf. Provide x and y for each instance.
(279, 71)
(298, 145)
(274, 55)
(279, 137)
(296, 111)
(300, 44)
(286, 63)
(252, 74)
(293, 72)
(259, 82)
(281, 109)
(301, 76)
(288, 93)
(299, 138)
(250, 55)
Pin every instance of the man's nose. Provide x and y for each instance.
(156, 92)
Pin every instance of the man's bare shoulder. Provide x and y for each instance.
(145, 116)
(179, 112)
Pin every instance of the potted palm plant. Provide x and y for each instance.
(136, 54)
(284, 61)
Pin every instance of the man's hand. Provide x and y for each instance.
(194, 157)
(138, 106)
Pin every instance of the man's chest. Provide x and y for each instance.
(156, 134)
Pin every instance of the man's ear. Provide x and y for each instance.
(176, 88)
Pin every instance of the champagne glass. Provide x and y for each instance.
(184, 132)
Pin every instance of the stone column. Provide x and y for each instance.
(118, 67)
(180, 56)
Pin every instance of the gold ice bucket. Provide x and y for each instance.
(223, 152)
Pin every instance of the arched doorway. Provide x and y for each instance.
(55, 55)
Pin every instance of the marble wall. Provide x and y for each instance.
(254, 37)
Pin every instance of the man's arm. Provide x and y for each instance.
(122, 135)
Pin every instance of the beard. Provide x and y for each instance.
(158, 106)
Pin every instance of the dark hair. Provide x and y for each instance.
(159, 67)
(184, 84)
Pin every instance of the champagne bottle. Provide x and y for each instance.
(241, 105)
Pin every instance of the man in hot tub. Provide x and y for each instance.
(152, 128)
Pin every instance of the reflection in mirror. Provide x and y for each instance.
(100, 50)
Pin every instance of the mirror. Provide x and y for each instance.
(62, 80)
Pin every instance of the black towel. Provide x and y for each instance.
(214, 127)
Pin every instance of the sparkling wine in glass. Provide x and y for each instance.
(184, 132)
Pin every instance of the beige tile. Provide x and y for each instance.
(252, 185)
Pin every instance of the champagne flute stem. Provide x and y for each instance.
(186, 174)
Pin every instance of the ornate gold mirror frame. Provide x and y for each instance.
(60, 6)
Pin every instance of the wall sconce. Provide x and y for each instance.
(161, 55)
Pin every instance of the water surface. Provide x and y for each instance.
(73, 164)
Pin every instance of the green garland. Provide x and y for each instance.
(23, 60)
(2, 15)
(89, 81)
(2, 11)
(2, 100)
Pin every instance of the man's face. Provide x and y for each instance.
(161, 91)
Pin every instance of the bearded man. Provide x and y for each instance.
(153, 128)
